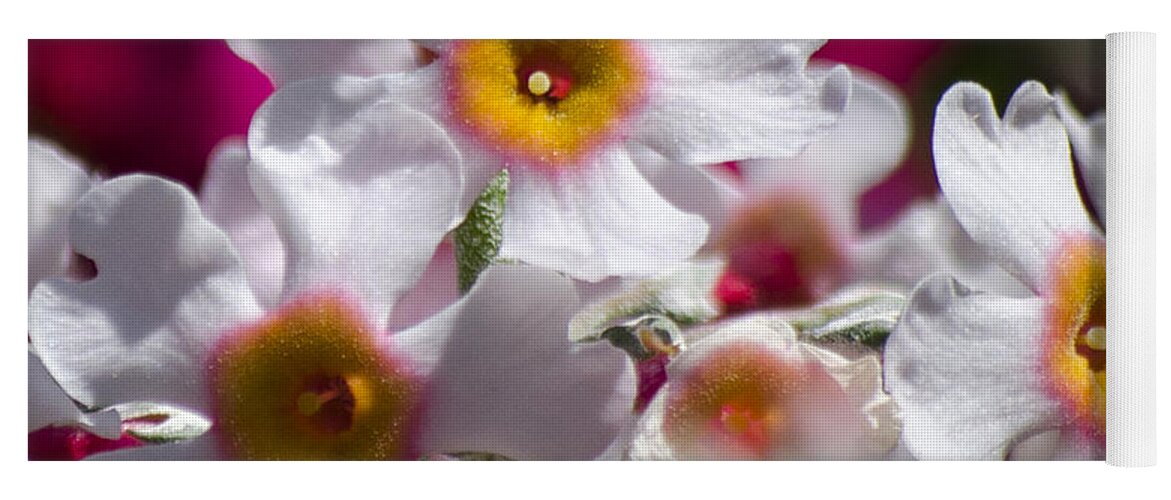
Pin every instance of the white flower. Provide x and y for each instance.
(48, 405)
(924, 240)
(55, 182)
(976, 374)
(227, 200)
(285, 61)
(171, 319)
(790, 237)
(568, 118)
(751, 390)
(1088, 138)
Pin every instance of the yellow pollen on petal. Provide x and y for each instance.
(1075, 322)
(539, 83)
(311, 383)
(544, 102)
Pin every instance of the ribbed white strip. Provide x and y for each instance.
(1130, 247)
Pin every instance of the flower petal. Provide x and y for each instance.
(285, 61)
(227, 200)
(604, 220)
(836, 412)
(1067, 443)
(168, 283)
(962, 367)
(435, 290)
(1010, 183)
(55, 182)
(724, 101)
(926, 239)
(865, 145)
(504, 377)
(690, 189)
(49, 405)
(361, 206)
(683, 60)
(1088, 137)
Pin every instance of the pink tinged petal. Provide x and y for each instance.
(753, 100)
(202, 448)
(285, 61)
(168, 284)
(817, 405)
(926, 239)
(360, 207)
(963, 368)
(1088, 137)
(49, 405)
(55, 182)
(435, 290)
(693, 190)
(604, 220)
(865, 145)
(504, 377)
(1010, 183)
(228, 201)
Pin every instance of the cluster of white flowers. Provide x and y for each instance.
(308, 303)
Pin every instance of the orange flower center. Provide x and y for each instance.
(548, 102)
(309, 383)
(1075, 350)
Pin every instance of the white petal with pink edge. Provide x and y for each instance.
(168, 284)
(1010, 182)
(963, 368)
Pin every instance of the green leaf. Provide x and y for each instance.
(477, 239)
(159, 423)
(683, 296)
(862, 316)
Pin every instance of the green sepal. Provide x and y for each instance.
(863, 316)
(477, 239)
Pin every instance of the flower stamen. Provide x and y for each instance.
(540, 83)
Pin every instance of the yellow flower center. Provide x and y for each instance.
(310, 383)
(733, 406)
(546, 102)
(1075, 350)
